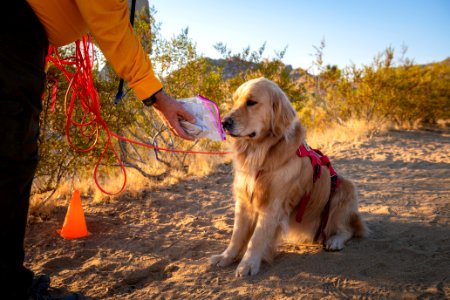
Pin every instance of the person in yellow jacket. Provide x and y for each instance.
(27, 28)
(108, 21)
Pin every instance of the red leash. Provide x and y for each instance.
(81, 88)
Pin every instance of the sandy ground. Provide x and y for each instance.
(156, 245)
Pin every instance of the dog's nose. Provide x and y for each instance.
(227, 123)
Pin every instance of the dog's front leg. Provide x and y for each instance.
(261, 242)
(243, 220)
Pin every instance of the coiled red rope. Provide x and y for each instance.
(81, 88)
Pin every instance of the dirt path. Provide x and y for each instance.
(156, 245)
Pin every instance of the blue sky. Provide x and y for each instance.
(354, 31)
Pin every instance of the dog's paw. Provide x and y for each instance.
(248, 267)
(334, 243)
(221, 260)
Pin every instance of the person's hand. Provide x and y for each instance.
(171, 111)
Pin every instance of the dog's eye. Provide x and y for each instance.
(250, 103)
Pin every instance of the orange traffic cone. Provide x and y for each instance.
(74, 223)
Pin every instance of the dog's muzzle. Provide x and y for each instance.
(228, 127)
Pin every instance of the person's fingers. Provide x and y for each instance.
(172, 122)
(171, 111)
(182, 114)
(186, 115)
(173, 119)
(180, 131)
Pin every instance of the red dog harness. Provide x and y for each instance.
(317, 161)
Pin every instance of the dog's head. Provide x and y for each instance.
(260, 109)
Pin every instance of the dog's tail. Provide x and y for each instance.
(358, 225)
(346, 197)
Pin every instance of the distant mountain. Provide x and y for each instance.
(234, 66)
(447, 60)
(231, 67)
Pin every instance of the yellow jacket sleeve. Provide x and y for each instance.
(108, 21)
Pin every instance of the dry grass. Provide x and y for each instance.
(352, 131)
(42, 206)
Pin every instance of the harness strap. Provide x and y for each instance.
(317, 161)
(305, 150)
(335, 182)
(323, 222)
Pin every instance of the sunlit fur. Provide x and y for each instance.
(266, 136)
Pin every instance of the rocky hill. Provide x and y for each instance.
(233, 66)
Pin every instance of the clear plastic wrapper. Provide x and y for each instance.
(207, 115)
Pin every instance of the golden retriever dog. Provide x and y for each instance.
(271, 181)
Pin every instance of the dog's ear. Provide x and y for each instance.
(283, 112)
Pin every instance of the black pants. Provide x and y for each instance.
(23, 46)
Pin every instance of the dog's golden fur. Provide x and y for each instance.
(270, 180)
